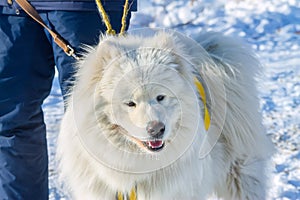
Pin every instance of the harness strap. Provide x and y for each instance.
(203, 96)
(131, 196)
(27, 7)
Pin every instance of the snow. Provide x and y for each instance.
(272, 27)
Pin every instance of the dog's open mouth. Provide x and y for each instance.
(154, 145)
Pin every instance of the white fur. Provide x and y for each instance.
(229, 161)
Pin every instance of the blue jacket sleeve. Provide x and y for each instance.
(76, 5)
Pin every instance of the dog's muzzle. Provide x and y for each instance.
(156, 130)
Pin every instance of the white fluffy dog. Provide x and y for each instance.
(135, 126)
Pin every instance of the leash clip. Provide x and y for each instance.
(71, 52)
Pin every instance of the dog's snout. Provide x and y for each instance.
(155, 129)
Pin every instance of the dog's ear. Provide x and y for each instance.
(163, 40)
(109, 50)
(169, 42)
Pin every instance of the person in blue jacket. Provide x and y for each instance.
(28, 56)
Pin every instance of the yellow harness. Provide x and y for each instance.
(130, 196)
(203, 96)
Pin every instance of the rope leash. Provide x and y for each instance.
(106, 20)
(125, 13)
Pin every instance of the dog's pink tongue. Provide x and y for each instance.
(155, 144)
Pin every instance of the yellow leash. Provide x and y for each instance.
(106, 20)
(125, 13)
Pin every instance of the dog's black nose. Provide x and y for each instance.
(155, 129)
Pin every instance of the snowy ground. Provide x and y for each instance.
(273, 29)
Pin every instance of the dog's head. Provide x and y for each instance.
(148, 90)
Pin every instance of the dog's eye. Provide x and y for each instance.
(160, 98)
(131, 104)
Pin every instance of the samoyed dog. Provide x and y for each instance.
(157, 115)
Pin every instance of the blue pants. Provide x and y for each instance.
(27, 59)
